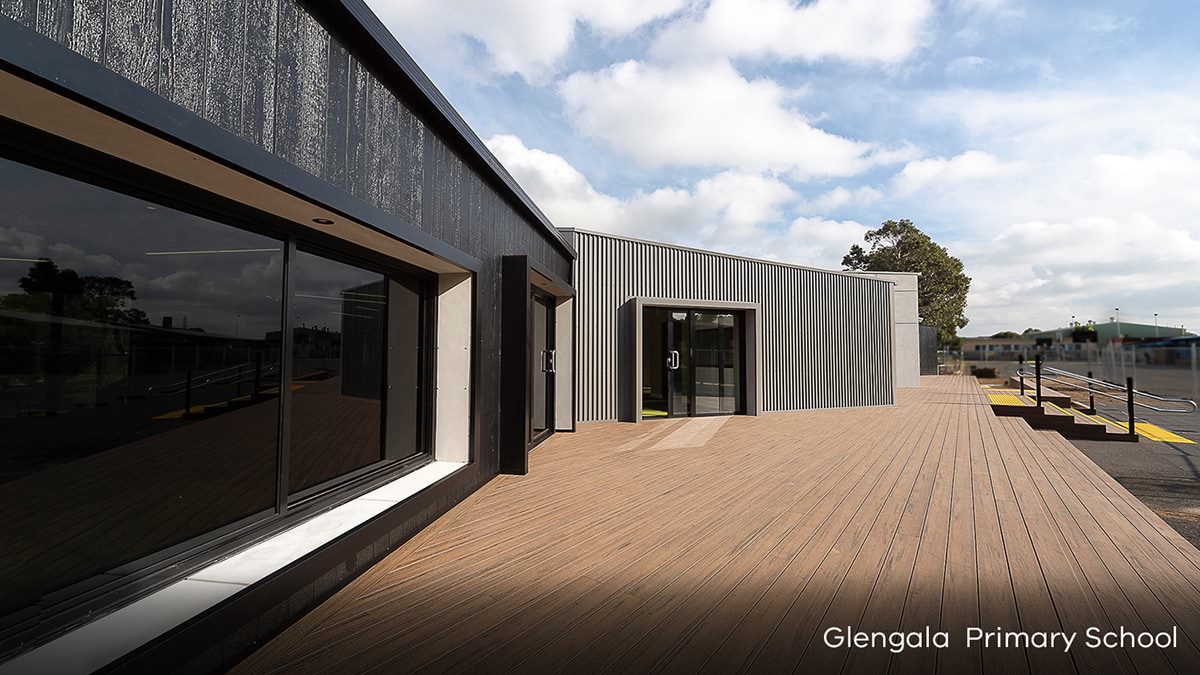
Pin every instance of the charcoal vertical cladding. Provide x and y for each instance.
(826, 336)
(306, 97)
(322, 86)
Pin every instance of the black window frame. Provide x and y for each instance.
(63, 609)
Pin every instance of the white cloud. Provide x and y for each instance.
(818, 241)
(939, 172)
(840, 197)
(1041, 273)
(559, 189)
(1107, 24)
(708, 115)
(714, 207)
(854, 30)
(1101, 212)
(525, 37)
(731, 211)
(967, 66)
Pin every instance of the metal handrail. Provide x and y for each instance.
(206, 379)
(1022, 371)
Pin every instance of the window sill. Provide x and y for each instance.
(96, 644)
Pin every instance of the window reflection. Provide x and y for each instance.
(351, 328)
(139, 379)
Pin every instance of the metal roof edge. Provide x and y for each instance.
(730, 256)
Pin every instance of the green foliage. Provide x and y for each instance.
(898, 246)
(1027, 331)
(1007, 334)
(98, 306)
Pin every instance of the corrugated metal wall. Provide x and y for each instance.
(826, 337)
(269, 72)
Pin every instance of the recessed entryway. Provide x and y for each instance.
(691, 358)
(693, 362)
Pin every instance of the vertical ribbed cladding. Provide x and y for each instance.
(826, 337)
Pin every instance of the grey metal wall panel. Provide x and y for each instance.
(827, 336)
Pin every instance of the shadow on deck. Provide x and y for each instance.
(731, 546)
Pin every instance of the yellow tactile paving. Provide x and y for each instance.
(1005, 399)
(1146, 430)
(1155, 433)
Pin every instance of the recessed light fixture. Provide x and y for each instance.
(322, 221)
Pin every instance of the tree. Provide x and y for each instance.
(1027, 331)
(898, 246)
(1007, 334)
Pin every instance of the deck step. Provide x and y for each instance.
(1060, 417)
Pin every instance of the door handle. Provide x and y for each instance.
(551, 361)
(672, 360)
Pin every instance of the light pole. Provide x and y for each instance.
(1156, 324)
(1118, 323)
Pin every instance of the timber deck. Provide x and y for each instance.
(731, 545)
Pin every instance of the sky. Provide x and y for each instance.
(1053, 146)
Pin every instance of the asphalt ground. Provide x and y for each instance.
(1165, 476)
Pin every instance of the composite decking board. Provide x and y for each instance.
(1109, 575)
(1073, 596)
(1035, 607)
(661, 642)
(997, 599)
(885, 606)
(848, 555)
(849, 602)
(1154, 591)
(742, 646)
(612, 556)
(475, 583)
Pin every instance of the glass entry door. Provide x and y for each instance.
(717, 362)
(679, 363)
(691, 362)
(542, 375)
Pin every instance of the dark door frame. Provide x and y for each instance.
(750, 334)
(520, 278)
(542, 363)
(690, 376)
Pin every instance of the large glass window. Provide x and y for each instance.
(352, 327)
(143, 382)
(139, 380)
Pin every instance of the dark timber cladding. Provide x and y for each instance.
(314, 100)
(288, 76)
(826, 337)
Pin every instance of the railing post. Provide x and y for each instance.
(1129, 404)
(1091, 396)
(1037, 372)
(1021, 375)
(258, 375)
(187, 395)
(99, 374)
(1195, 378)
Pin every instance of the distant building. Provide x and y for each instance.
(996, 349)
(1106, 332)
